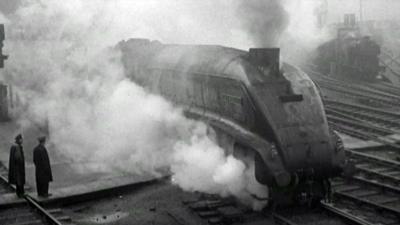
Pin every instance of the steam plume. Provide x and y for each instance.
(70, 79)
(263, 20)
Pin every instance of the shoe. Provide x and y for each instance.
(20, 195)
(46, 195)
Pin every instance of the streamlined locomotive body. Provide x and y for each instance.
(274, 117)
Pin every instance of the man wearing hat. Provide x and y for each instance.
(16, 173)
(43, 169)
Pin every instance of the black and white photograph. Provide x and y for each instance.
(199, 112)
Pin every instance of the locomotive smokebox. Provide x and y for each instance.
(266, 59)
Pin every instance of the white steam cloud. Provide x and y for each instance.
(70, 80)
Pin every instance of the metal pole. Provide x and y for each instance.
(361, 11)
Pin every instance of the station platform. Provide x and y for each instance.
(70, 179)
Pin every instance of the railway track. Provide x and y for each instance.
(385, 153)
(386, 87)
(309, 216)
(358, 92)
(30, 212)
(363, 122)
(362, 130)
(378, 117)
(222, 211)
(374, 204)
(376, 170)
(372, 195)
(225, 211)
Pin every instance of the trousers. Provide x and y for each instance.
(42, 188)
(20, 190)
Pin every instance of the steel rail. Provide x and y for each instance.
(382, 180)
(343, 214)
(48, 218)
(375, 125)
(376, 184)
(282, 220)
(385, 102)
(372, 157)
(384, 114)
(320, 78)
(351, 131)
(51, 220)
(356, 88)
(376, 206)
(374, 94)
(386, 87)
(394, 126)
(392, 101)
(363, 135)
(360, 125)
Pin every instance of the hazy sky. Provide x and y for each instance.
(372, 9)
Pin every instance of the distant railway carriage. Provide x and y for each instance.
(274, 118)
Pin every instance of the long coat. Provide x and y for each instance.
(42, 164)
(16, 169)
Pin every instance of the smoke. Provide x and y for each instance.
(304, 33)
(263, 20)
(72, 81)
(289, 24)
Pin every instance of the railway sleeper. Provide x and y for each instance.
(377, 207)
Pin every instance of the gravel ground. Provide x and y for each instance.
(149, 205)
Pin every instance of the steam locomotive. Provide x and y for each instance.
(349, 56)
(271, 116)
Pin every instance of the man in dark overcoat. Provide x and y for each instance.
(16, 168)
(43, 169)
